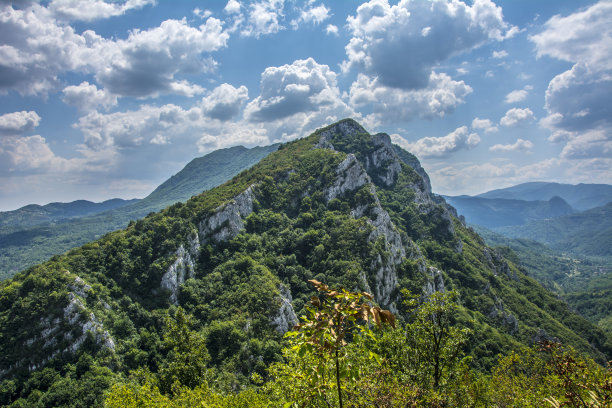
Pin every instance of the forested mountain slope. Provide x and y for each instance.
(339, 206)
(21, 247)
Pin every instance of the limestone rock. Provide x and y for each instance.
(227, 220)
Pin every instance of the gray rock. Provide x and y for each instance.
(227, 220)
(286, 318)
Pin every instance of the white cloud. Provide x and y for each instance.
(440, 97)
(232, 7)
(583, 36)
(203, 14)
(459, 139)
(224, 102)
(304, 86)
(500, 54)
(312, 15)
(331, 30)
(519, 145)
(579, 100)
(589, 144)
(484, 124)
(264, 17)
(31, 154)
(517, 116)
(518, 95)
(87, 97)
(401, 44)
(18, 123)
(37, 49)
(147, 62)
(88, 10)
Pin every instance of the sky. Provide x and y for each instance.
(102, 99)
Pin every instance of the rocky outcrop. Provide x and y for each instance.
(286, 318)
(507, 319)
(182, 268)
(498, 263)
(73, 314)
(350, 175)
(383, 164)
(227, 220)
(435, 282)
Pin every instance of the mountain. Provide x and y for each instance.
(500, 212)
(339, 206)
(586, 233)
(21, 247)
(33, 214)
(584, 282)
(580, 196)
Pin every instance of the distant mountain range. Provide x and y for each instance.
(585, 233)
(34, 214)
(580, 196)
(58, 227)
(571, 218)
(501, 212)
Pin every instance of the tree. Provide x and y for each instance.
(435, 344)
(334, 320)
(187, 358)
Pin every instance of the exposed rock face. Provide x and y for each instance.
(73, 314)
(182, 268)
(498, 263)
(383, 164)
(507, 319)
(350, 176)
(435, 282)
(286, 318)
(227, 221)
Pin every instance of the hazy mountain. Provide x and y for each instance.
(37, 214)
(500, 212)
(340, 206)
(580, 196)
(22, 247)
(587, 233)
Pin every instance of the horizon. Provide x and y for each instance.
(110, 101)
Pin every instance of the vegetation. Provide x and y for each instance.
(107, 308)
(23, 244)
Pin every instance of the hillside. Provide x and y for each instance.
(23, 247)
(33, 214)
(501, 212)
(580, 196)
(585, 233)
(339, 206)
(584, 282)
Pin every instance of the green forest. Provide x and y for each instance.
(328, 274)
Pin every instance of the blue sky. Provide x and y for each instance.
(103, 99)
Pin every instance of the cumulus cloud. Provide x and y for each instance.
(484, 124)
(400, 44)
(224, 102)
(500, 54)
(331, 30)
(147, 61)
(579, 100)
(517, 116)
(35, 49)
(440, 97)
(88, 10)
(311, 15)
(304, 86)
(519, 145)
(263, 18)
(232, 7)
(459, 139)
(17, 123)
(29, 154)
(589, 144)
(87, 97)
